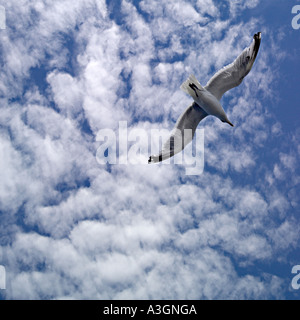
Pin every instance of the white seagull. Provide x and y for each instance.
(206, 100)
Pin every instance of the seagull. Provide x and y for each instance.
(207, 100)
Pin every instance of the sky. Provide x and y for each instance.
(74, 228)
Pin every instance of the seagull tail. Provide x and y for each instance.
(192, 87)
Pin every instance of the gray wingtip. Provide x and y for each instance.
(155, 159)
(257, 40)
(257, 36)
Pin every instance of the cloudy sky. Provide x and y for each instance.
(73, 228)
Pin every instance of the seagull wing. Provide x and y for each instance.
(179, 137)
(232, 75)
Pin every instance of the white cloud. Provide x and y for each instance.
(68, 94)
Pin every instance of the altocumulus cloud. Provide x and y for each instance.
(71, 228)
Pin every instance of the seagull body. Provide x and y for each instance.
(207, 100)
(204, 98)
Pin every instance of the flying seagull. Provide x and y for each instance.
(206, 100)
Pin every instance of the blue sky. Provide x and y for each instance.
(73, 228)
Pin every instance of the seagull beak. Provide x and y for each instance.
(227, 121)
(230, 123)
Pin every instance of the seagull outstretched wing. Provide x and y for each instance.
(179, 138)
(232, 75)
